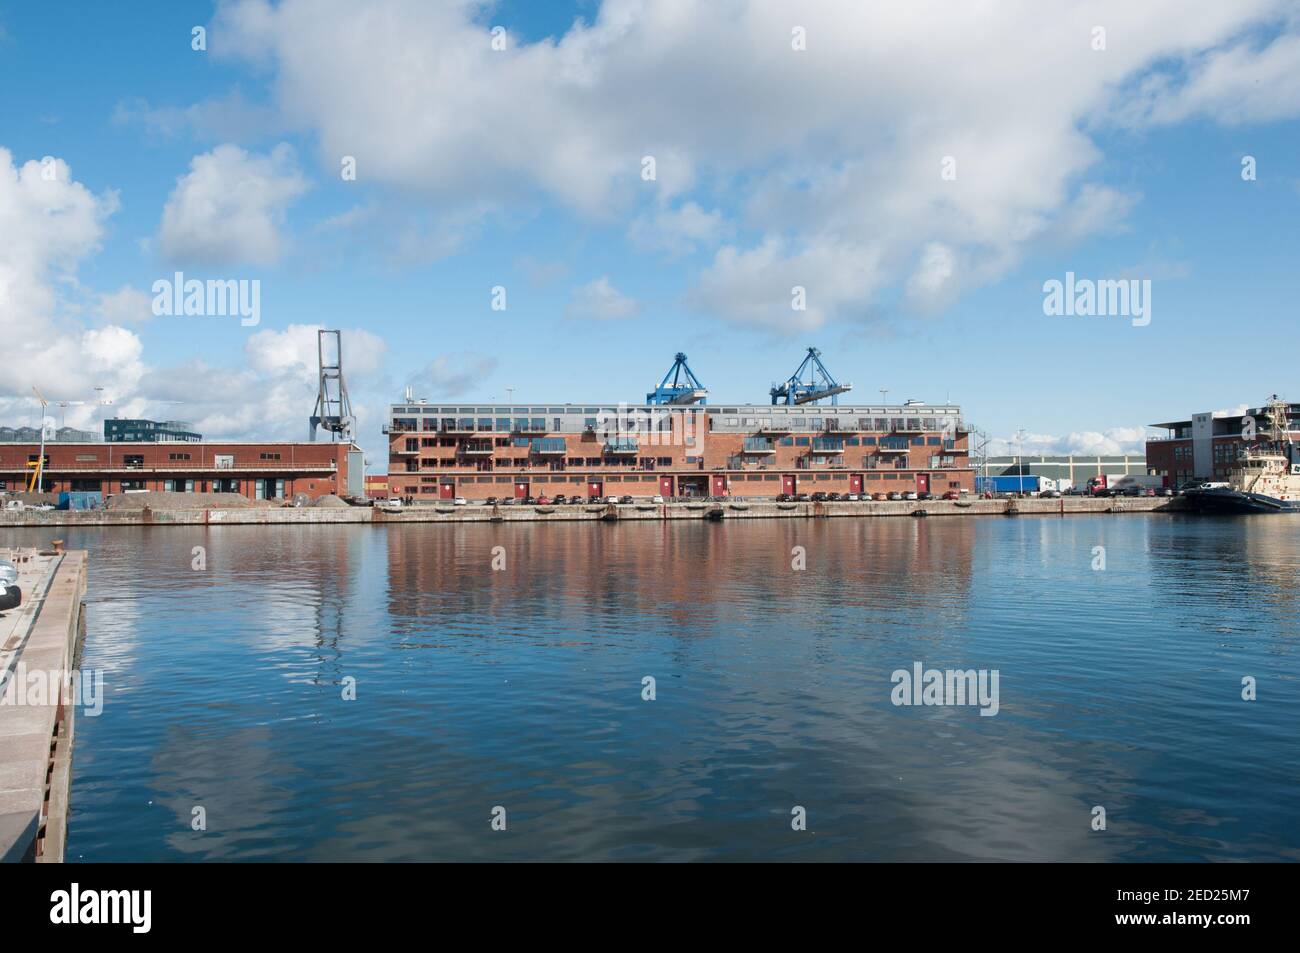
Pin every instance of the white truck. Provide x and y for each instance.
(1111, 484)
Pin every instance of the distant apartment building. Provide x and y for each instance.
(753, 450)
(59, 435)
(1206, 447)
(127, 430)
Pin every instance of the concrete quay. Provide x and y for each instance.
(728, 509)
(40, 643)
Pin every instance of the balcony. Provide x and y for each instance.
(890, 448)
(910, 425)
(549, 446)
(758, 445)
(827, 445)
(621, 445)
(520, 425)
(839, 426)
(476, 448)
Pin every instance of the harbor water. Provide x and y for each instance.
(680, 690)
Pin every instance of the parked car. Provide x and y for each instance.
(880, 495)
(1049, 494)
(952, 495)
(560, 499)
(490, 501)
(783, 498)
(924, 496)
(819, 497)
(460, 501)
(910, 495)
(801, 497)
(1164, 491)
(895, 495)
(543, 500)
(507, 501)
(625, 498)
(835, 497)
(851, 497)
(656, 498)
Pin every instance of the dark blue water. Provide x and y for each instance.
(522, 689)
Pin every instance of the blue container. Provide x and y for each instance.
(81, 500)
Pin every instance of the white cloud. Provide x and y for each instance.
(230, 207)
(600, 301)
(756, 286)
(126, 305)
(833, 152)
(678, 231)
(1112, 442)
(1247, 82)
(51, 224)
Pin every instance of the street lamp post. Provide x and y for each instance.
(1020, 466)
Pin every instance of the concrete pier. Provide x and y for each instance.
(731, 508)
(40, 644)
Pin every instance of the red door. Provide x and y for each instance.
(720, 485)
(666, 487)
(521, 489)
(787, 483)
(855, 482)
(593, 489)
(923, 483)
(447, 490)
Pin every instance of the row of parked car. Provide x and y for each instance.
(820, 497)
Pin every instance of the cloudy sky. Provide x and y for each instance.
(643, 177)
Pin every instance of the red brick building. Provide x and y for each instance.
(1206, 446)
(254, 470)
(477, 451)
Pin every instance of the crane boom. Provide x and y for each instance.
(818, 386)
(684, 389)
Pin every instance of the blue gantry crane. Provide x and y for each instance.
(685, 387)
(818, 386)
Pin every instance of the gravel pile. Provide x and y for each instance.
(164, 500)
(329, 500)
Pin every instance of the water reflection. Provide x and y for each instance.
(523, 688)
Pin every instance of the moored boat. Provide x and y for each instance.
(1265, 479)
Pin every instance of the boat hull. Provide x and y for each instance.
(1234, 501)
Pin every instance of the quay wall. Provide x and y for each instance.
(728, 509)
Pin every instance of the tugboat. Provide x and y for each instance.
(1265, 479)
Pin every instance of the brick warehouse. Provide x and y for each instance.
(1206, 446)
(254, 470)
(752, 450)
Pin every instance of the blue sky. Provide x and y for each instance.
(776, 166)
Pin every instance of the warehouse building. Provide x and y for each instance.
(255, 470)
(1067, 469)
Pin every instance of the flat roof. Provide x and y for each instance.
(710, 408)
(176, 443)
